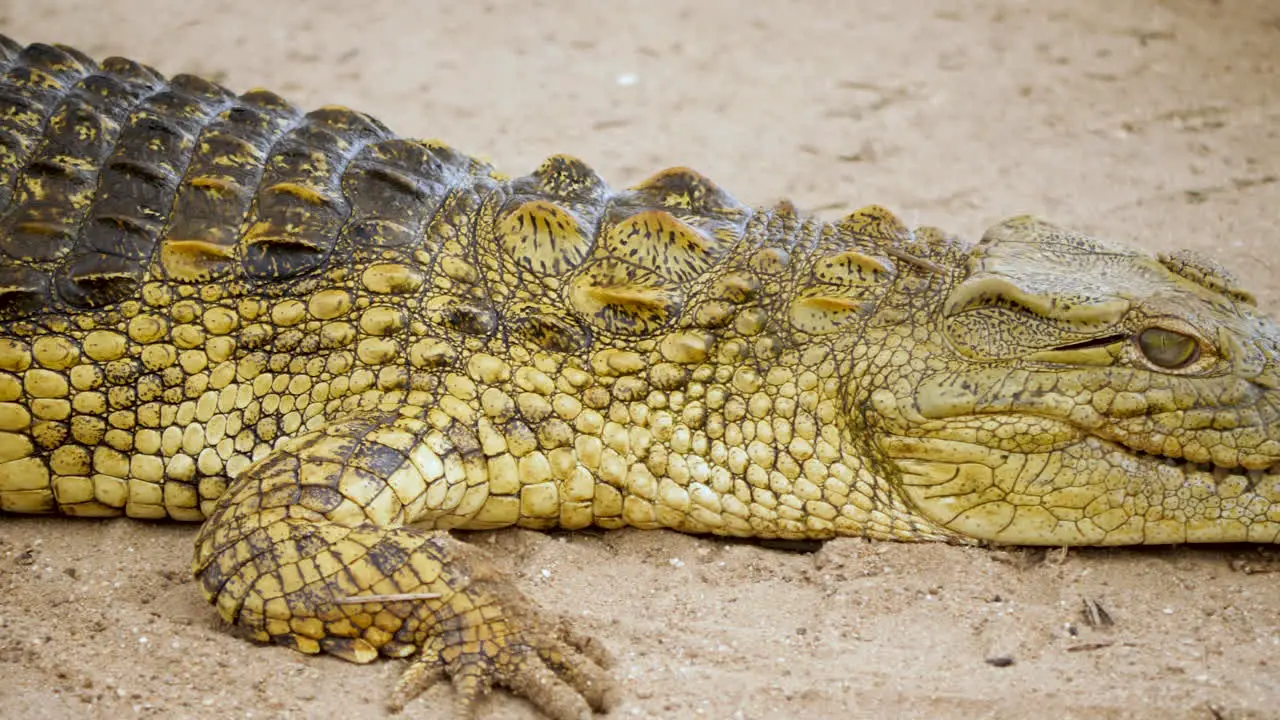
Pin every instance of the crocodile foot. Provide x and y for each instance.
(320, 547)
(497, 637)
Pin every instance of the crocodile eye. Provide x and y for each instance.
(1168, 349)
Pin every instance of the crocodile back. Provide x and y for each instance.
(113, 177)
(189, 277)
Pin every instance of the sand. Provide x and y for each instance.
(1157, 122)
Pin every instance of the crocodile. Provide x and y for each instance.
(332, 345)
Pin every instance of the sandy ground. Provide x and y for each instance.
(1156, 121)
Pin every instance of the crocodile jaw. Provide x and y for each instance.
(1089, 491)
(1038, 468)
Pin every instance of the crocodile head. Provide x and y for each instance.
(1082, 392)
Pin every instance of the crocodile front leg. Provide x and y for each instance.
(313, 548)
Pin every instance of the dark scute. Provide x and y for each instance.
(148, 172)
(9, 50)
(280, 260)
(130, 71)
(95, 279)
(53, 169)
(47, 57)
(17, 100)
(202, 88)
(160, 126)
(122, 236)
(23, 291)
(396, 181)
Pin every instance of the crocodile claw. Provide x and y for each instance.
(500, 638)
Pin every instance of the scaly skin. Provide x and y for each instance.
(332, 344)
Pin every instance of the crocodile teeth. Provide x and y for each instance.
(1219, 473)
